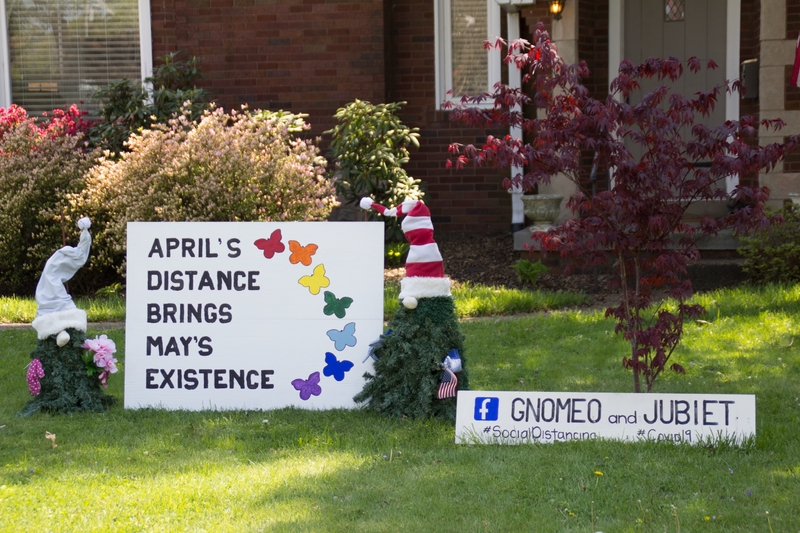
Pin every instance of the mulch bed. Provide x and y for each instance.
(487, 260)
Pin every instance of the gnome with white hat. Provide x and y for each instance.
(56, 311)
(418, 363)
(57, 375)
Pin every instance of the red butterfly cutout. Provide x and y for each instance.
(271, 246)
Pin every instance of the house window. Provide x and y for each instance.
(674, 10)
(463, 65)
(58, 51)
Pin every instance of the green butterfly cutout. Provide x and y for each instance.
(336, 306)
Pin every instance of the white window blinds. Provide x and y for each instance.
(61, 50)
(470, 61)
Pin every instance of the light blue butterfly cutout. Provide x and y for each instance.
(344, 338)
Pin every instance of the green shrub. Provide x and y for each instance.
(128, 107)
(773, 255)
(396, 253)
(225, 167)
(40, 165)
(370, 146)
(529, 272)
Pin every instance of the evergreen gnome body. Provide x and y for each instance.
(419, 361)
(57, 376)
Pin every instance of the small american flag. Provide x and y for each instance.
(447, 385)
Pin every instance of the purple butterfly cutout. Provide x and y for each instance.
(308, 387)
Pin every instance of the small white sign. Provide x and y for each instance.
(488, 417)
(251, 315)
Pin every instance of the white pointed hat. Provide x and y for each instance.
(56, 311)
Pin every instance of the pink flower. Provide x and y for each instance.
(101, 359)
(100, 345)
(103, 377)
(104, 350)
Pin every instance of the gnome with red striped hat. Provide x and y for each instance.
(419, 364)
(424, 267)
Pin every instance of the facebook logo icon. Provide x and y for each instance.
(486, 408)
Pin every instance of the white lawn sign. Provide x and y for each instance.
(251, 315)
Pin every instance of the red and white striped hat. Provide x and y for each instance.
(424, 267)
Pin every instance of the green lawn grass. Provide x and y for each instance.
(471, 301)
(295, 470)
(481, 300)
(20, 310)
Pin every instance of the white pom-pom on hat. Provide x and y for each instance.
(62, 338)
(409, 302)
(366, 202)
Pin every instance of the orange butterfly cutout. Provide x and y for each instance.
(301, 254)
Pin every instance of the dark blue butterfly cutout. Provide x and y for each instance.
(336, 368)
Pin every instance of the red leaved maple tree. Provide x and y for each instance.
(661, 160)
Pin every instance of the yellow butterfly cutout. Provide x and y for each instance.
(316, 281)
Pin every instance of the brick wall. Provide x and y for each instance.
(750, 48)
(533, 15)
(791, 93)
(791, 163)
(468, 200)
(593, 44)
(593, 48)
(792, 19)
(309, 56)
(314, 56)
(750, 45)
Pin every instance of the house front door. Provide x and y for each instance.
(679, 28)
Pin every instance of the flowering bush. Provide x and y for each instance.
(11, 117)
(66, 122)
(60, 122)
(225, 167)
(40, 164)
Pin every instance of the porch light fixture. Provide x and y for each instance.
(556, 7)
